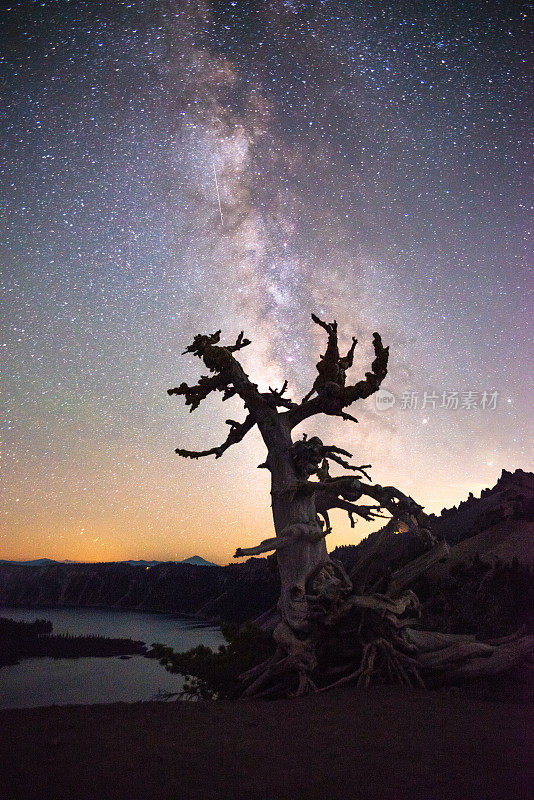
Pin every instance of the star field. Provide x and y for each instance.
(371, 161)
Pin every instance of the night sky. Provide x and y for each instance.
(371, 164)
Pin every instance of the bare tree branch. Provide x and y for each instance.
(343, 463)
(342, 493)
(238, 431)
(279, 392)
(332, 395)
(348, 360)
(239, 344)
(329, 366)
(373, 379)
(325, 503)
(347, 417)
(396, 502)
(207, 339)
(194, 395)
(275, 398)
(230, 377)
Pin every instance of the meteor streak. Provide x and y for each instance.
(218, 196)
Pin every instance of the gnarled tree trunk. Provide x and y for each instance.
(331, 628)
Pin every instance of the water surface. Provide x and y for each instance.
(51, 681)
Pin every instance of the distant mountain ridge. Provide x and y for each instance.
(41, 562)
(198, 561)
(230, 594)
(38, 562)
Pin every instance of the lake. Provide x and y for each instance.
(62, 681)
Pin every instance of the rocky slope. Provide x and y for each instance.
(498, 525)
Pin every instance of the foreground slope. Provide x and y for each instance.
(380, 743)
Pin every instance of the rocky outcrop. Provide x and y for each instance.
(498, 526)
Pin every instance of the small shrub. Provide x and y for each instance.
(213, 675)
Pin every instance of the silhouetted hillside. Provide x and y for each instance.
(509, 501)
(233, 593)
(498, 525)
(487, 583)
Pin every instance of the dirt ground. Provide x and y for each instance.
(381, 744)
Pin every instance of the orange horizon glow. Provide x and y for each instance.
(98, 543)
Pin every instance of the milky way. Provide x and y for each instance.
(371, 167)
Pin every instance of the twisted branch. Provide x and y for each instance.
(332, 395)
(238, 431)
(194, 395)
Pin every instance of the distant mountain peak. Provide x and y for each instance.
(198, 561)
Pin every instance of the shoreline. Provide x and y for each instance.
(204, 621)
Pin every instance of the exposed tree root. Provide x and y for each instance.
(380, 631)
